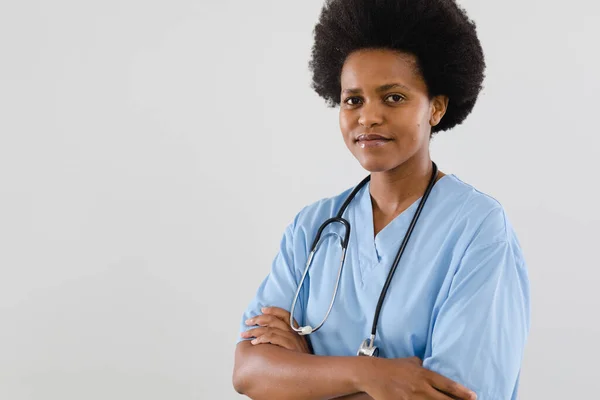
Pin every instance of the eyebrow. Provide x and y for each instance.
(379, 89)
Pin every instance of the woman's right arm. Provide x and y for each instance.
(267, 371)
(270, 372)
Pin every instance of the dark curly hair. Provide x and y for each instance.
(437, 32)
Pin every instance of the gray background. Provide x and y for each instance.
(151, 154)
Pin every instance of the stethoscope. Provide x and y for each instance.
(367, 347)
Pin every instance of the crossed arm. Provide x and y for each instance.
(268, 371)
(479, 336)
(277, 364)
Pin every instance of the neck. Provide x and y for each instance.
(395, 190)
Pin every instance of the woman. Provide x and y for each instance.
(455, 318)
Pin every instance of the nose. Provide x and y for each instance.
(370, 115)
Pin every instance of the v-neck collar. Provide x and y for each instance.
(384, 246)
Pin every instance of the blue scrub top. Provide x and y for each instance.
(459, 299)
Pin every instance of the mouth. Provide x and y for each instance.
(371, 140)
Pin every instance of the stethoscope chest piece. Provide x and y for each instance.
(367, 349)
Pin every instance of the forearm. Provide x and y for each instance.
(271, 372)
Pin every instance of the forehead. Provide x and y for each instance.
(370, 68)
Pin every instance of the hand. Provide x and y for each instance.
(274, 328)
(355, 396)
(405, 378)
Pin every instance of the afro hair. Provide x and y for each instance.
(437, 32)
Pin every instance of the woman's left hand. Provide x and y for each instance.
(274, 328)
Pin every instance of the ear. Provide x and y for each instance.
(439, 105)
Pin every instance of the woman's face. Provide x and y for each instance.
(385, 111)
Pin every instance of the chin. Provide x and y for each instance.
(375, 165)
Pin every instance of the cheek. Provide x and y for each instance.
(425, 115)
(346, 124)
(413, 121)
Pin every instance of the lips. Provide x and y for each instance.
(370, 137)
(371, 140)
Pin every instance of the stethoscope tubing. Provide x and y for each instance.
(307, 330)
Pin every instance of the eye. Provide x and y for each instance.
(395, 98)
(352, 101)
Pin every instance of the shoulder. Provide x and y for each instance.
(310, 218)
(318, 211)
(481, 218)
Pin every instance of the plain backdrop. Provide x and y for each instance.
(152, 152)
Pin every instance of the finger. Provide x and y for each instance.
(256, 332)
(275, 337)
(286, 339)
(415, 360)
(280, 313)
(271, 321)
(434, 394)
(449, 387)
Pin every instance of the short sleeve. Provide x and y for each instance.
(479, 334)
(280, 285)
